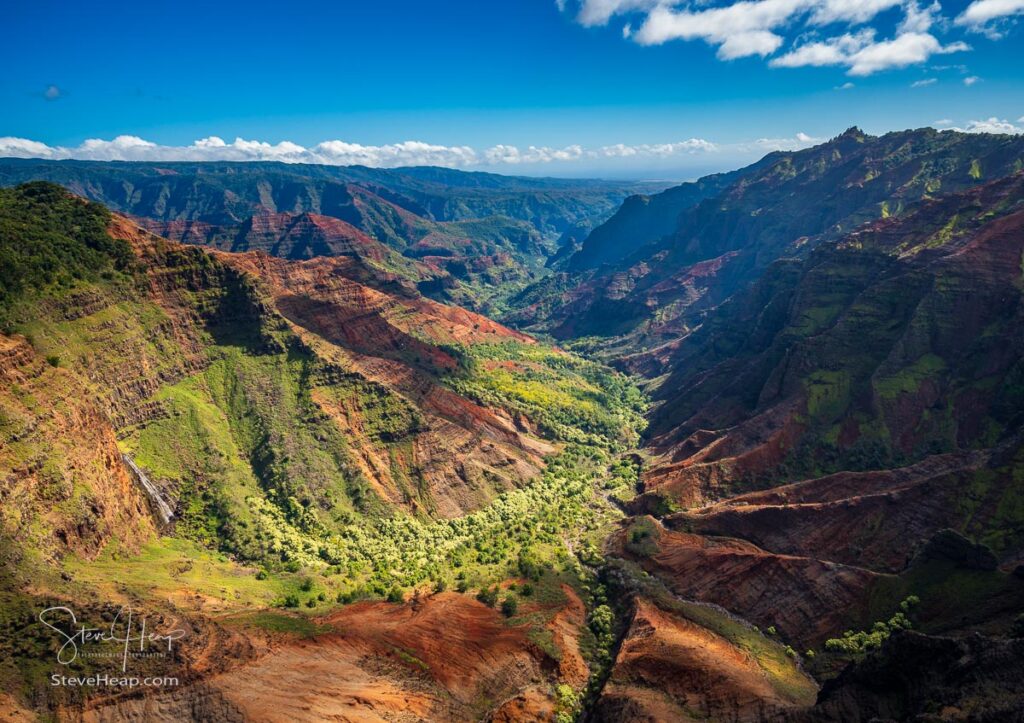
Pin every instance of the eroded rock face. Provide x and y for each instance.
(444, 657)
(843, 361)
(65, 488)
(383, 335)
(825, 517)
(807, 599)
(656, 284)
(670, 669)
(396, 341)
(880, 372)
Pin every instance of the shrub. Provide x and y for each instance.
(509, 606)
(859, 642)
(488, 597)
(567, 702)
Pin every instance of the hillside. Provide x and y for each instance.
(846, 434)
(477, 236)
(363, 503)
(291, 437)
(656, 284)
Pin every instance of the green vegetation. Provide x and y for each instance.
(279, 622)
(642, 536)
(569, 398)
(567, 702)
(854, 643)
(509, 606)
(828, 394)
(168, 566)
(49, 242)
(267, 477)
(909, 379)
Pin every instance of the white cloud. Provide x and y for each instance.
(924, 83)
(845, 86)
(52, 92)
(741, 29)
(408, 153)
(795, 143)
(341, 153)
(971, 80)
(992, 125)
(599, 12)
(863, 56)
(760, 28)
(917, 19)
(981, 12)
(834, 51)
(24, 148)
(133, 148)
(943, 122)
(904, 50)
(663, 150)
(533, 154)
(742, 45)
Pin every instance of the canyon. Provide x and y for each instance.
(447, 446)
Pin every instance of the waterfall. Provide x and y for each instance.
(163, 509)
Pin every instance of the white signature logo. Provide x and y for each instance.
(122, 630)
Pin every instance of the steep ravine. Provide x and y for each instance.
(360, 503)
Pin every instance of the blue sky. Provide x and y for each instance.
(628, 88)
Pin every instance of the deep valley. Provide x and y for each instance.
(422, 444)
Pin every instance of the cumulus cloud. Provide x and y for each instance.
(760, 28)
(739, 30)
(971, 80)
(992, 125)
(982, 12)
(532, 154)
(924, 83)
(340, 153)
(862, 55)
(664, 150)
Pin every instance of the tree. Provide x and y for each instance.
(488, 597)
(509, 606)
